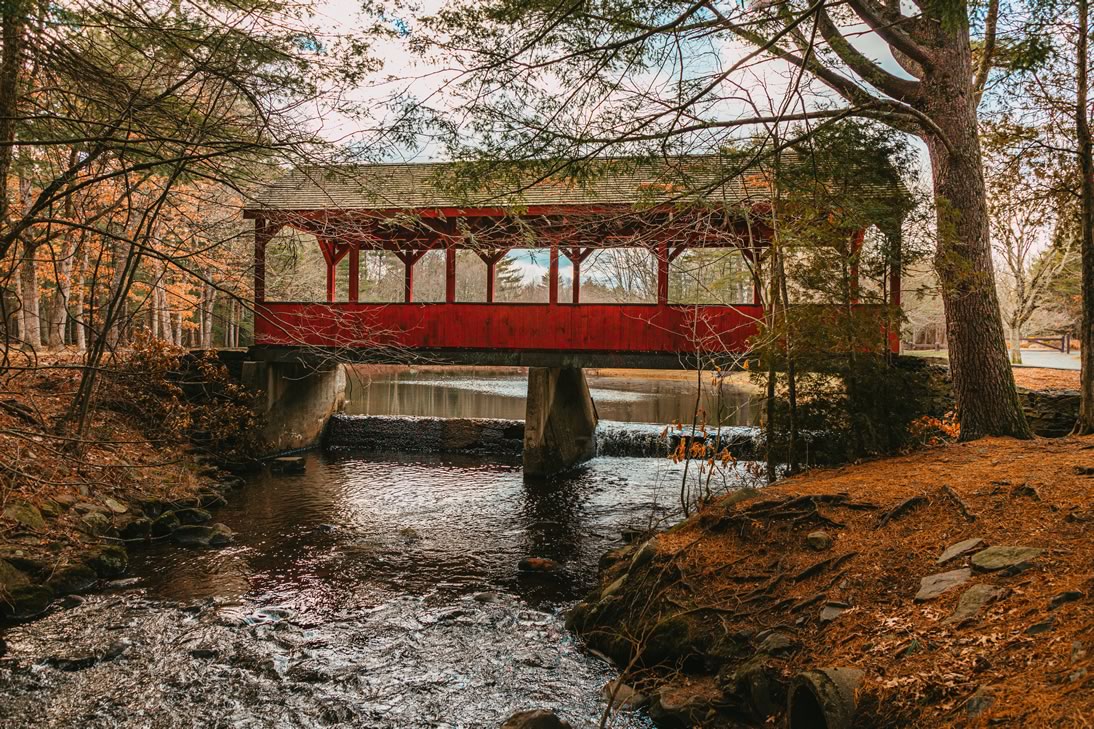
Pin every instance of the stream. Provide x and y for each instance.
(374, 590)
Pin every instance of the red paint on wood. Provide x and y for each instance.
(354, 273)
(450, 273)
(552, 275)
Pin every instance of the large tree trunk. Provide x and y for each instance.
(987, 400)
(1085, 424)
(14, 22)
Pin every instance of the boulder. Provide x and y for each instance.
(24, 561)
(109, 560)
(26, 601)
(960, 549)
(672, 639)
(201, 535)
(818, 541)
(535, 719)
(1004, 558)
(96, 523)
(10, 577)
(26, 515)
(135, 529)
(193, 516)
(932, 586)
(685, 705)
(71, 578)
(775, 642)
(164, 524)
(537, 564)
(115, 506)
(288, 464)
(623, 696)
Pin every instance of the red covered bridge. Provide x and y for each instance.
(666, 208)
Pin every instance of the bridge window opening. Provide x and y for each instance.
(381, 277)
(296, 269)
(522, 276)
(470, 276)
(619, 276)
(711, 276)
(429, 278)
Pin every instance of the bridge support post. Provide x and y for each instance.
(296, 400)
(560, 421)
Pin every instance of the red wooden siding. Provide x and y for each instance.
(516, 327)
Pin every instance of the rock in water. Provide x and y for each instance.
(288, 464)
(193, 516)
(537, 564)
(932, 586)
(164, 524)
(200, 535)
(72, 578)
(109, 560)
(535, 719)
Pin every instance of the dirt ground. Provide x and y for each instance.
(1023, 660)
(1037, 378)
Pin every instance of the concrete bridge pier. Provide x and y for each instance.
(560, 421)
(297, 400)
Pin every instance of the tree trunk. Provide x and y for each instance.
(77, 302)
(987, 400)
(208, 301)
(28, 280)
(1085, 424)
(1016, 344)
(58, 309)
(14, 22)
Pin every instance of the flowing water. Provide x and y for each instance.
(375, 590)
(624, 399)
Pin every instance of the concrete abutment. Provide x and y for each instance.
(297, 400)
(560, 421)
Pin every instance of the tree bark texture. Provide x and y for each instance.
(986, 397)
(1085, 424)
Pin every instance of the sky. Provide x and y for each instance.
(404, 72)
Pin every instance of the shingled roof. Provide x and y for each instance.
(714, 178)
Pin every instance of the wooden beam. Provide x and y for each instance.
(264, 231)
(552, 274)
(450, 272)
(662, 273)
(354, 272)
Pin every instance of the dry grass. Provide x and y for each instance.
(920, 669)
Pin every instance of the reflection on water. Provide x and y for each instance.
(625, 399)
(376, 591)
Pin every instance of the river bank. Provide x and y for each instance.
(959, 581)
(148, 470)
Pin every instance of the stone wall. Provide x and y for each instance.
(424, 435)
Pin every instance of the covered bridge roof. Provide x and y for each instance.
(714, 178)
